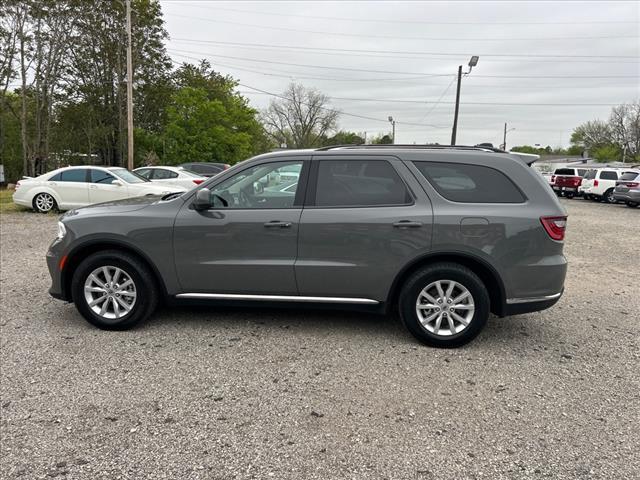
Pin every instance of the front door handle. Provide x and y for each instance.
(277, 224)
(407, 224)
(92, 186)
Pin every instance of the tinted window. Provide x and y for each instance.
(565, 171)
(163, 174)
(262, 186)
(144, 172)
(581, 172)
(100, 176)
(74, 175)
(591, 174)
(470, 183)
(206, 169)
(629, 176)
(56, 177)
(344, 183)
(608, 176)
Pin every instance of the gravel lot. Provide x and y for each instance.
(241, 393)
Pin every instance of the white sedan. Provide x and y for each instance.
(175, 176)
(73, 187)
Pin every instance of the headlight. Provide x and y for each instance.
(62, 230)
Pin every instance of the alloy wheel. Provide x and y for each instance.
(110, 292)
(445, 307)
(44, 202)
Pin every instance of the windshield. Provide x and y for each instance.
(127, 176)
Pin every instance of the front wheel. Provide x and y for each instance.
(444, 305)
(114, 290)
(632, 204)
(44, 203)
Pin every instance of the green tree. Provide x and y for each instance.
(201, 128)
(382, 139)
(344, 138)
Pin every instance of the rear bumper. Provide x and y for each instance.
(630, 196)
(517, 306)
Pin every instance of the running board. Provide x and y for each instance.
(276, 298)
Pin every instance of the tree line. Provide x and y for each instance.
(63, 97)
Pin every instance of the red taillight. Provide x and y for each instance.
(198, 181)
(555, 226)
(595, 183)
(628, 184)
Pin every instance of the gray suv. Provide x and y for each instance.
(445, 235)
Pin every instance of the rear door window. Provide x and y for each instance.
(466, 183)
(608, 175)
(359, 183)
(74, 175)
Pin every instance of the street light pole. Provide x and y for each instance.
(472, 63)
(504, 140)
(129, 92)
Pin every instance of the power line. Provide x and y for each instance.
(426, 115)
(381, 53)
(356, 35)
(324, 67)
(414, 22)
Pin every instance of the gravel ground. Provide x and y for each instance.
(241, 393)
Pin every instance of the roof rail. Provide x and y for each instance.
(413, 146)
(331, 147)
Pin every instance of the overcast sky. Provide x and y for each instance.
(531, 54)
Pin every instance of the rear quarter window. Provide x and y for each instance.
(608, 176)
(470, 183)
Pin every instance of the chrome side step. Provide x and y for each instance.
(276, 298)
(511, 301)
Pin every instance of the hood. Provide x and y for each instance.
(116, 206)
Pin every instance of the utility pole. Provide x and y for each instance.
(129, 92)
(504, 140)
(472, 63)
(455, 115)
(393, 131)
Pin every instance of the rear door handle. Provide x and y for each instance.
(92, 186)
(277, 224)
(407, 224)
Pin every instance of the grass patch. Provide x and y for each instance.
(6, 202)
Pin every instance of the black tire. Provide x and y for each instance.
(42, 199)
(412, 288)
(569, 195)
(145, 287)
(632, 204)
(608, 197)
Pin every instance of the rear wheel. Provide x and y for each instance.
(114, 290)
(44, 203)
(608, 196)
(444, 305)
(569, 195)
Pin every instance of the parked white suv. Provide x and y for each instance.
(599, 184)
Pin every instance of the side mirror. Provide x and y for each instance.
(117, 183)
(203, 199)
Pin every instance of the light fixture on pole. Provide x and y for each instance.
(393, 126)
(472, 63)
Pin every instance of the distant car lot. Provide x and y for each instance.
(223, 393)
